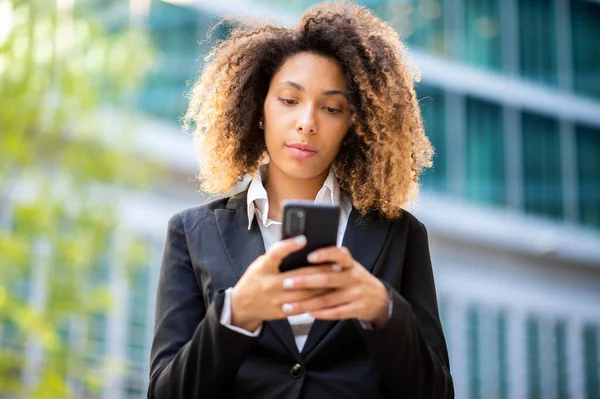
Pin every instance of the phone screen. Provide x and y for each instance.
(317, 221)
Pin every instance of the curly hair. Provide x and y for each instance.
(384, 150)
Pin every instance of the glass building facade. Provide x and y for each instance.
(470, 32)
(548, 44)
(531, 161)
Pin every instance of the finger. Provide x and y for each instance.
(330, 299)
(281, 249)
(298, 296)
(335, 255)
(280, 277)
(351, 310)
(284, 305)
(308, 269)
(330, 279)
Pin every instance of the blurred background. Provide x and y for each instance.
(93, 163)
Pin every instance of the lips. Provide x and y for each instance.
(301, 150)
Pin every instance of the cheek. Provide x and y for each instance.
(339, 131)
(271, 122)
(269, 108)
(274, 111)
(277, 122)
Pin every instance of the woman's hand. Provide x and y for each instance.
(350, 291)
(260, 295)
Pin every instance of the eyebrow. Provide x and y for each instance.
(325, 92)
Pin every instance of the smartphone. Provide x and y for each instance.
(317, 221)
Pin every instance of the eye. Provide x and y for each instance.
(286, 101)
(332, 110)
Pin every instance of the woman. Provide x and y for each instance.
(331, 105)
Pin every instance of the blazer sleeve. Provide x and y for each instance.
(409, 350)
(193, 355)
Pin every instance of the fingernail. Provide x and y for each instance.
(336, 267)
(312, 257)
(300, 239)
(286, 307)
(288, 283)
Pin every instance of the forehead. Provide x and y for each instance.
(312, 71)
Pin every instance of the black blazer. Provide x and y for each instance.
(207, 249)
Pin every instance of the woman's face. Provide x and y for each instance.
(306, 115)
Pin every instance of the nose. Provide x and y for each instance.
(307, 124)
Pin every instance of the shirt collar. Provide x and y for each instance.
(258, 204)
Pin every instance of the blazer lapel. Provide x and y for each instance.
(243, 246)
(364, 238)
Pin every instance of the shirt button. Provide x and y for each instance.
(296, 371)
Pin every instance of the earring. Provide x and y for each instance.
(261, 124)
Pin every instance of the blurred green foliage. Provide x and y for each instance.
(59, 180)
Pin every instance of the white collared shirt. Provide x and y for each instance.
(258, 206)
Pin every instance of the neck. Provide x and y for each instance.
(280, 187)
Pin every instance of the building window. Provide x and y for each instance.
(474, 353)
(585, 31)
(432, 102)
(137, 332)
(485, 153)
(537, 41)
(174, 32)
(560, 341)
(502, 355)
(534, 372)
(487, 355)
(588, 175)
(590, 362)
(482, 33)
(97, 326)
(419, 22)
(541, 166)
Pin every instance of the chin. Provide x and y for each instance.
(302, 169)
(300, 172)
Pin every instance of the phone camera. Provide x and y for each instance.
(295, 222)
